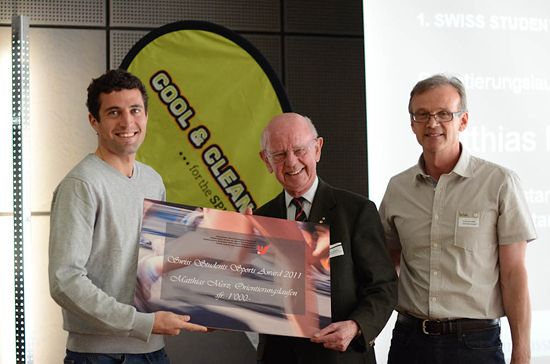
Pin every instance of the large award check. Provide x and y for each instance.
(233, 271)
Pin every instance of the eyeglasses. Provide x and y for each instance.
(278, 157)
(440, 116)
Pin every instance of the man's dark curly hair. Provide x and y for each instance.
(113, 80)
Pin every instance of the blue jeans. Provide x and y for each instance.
(410, 346)
(157, 357)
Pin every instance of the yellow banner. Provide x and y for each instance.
(211, 93)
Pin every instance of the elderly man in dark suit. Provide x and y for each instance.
(363, 280)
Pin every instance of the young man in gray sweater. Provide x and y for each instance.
(94, 233)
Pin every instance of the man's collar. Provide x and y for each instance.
(462, 167)
(309, 195)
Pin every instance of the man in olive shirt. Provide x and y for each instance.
(457, 229)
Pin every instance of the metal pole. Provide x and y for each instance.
(21, 214)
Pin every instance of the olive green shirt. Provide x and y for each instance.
(449, 233)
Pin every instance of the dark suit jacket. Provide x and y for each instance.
(363, 280)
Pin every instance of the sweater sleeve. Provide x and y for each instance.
(73, 217)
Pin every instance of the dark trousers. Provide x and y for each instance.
(409, 345)
(157, 357)
(275, 349)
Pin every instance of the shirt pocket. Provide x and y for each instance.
(475, 230)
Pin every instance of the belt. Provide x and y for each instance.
(446, 327)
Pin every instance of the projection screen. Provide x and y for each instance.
(501, 52)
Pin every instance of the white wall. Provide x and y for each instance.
(62, 63)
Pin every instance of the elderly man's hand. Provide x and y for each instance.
(337, 335)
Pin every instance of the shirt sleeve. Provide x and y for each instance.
(514, 223)
(390, 231)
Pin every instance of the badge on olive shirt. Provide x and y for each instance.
(468, 219)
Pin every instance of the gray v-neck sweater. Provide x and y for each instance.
(94, 234)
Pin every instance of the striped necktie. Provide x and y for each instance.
(300, 214)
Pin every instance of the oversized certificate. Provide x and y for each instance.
(233, 271)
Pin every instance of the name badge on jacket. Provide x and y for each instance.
(336, 250)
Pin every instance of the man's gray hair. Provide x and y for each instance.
(438, 81)
(265, 134)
